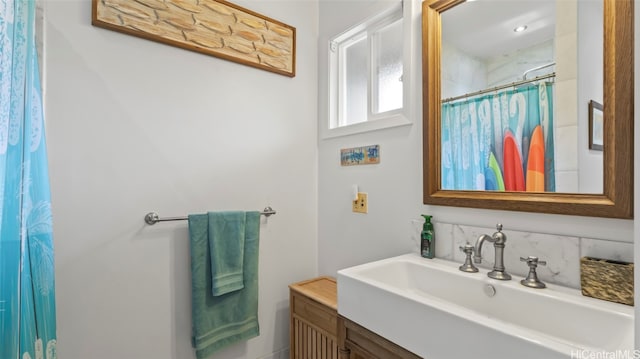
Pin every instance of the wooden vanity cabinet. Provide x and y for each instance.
(357, 342)
(318, 332)
(314, 319)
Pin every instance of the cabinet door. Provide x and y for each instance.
(313, 329)
(361, 343)
(310, 343)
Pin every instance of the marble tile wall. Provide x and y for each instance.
(506, 68)
(461, 72)
(566, 99)
(562, 253)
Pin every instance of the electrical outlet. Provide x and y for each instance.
(361, 205)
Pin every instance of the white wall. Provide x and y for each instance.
(395, 189)
(136, 126)
(349, 238)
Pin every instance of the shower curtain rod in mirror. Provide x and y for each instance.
(524, 74)
(497, 88)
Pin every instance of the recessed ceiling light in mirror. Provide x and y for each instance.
(520, 28)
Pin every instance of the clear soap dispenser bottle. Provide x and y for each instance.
(427, 238)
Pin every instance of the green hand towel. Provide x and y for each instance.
(226, 245)
(230, 318)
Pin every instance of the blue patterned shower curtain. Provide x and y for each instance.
(27, 300)
(483, 137)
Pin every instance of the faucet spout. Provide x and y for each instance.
(477, 250)
(498, 239)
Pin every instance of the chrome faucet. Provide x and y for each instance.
(498, 239)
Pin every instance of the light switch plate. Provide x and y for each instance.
(361, 205)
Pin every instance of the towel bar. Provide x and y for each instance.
(153, 218)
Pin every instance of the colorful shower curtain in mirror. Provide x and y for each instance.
(27, 300)
(500, 142)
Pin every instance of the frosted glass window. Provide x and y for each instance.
(388, 60)
(356, 79)
(366, 71)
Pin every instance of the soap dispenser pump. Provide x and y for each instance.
(428, 238)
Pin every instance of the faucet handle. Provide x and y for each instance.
(467, 248)
(533, 261)
(532, 280)
(499, 227)
(468, 265)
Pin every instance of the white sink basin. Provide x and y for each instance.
(436, 311)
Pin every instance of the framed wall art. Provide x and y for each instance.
(213, 27)
(596, 129)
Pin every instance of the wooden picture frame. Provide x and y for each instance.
(213, 27)
(596, 126)
(616, 199)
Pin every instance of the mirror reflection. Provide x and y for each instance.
(517, 78)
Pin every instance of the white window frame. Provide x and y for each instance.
(393, 118)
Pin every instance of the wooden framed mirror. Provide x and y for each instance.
(616, 197)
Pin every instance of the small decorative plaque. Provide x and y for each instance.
(366, 155)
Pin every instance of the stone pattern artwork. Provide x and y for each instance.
(212, 27)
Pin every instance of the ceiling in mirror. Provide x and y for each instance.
(485, 28)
